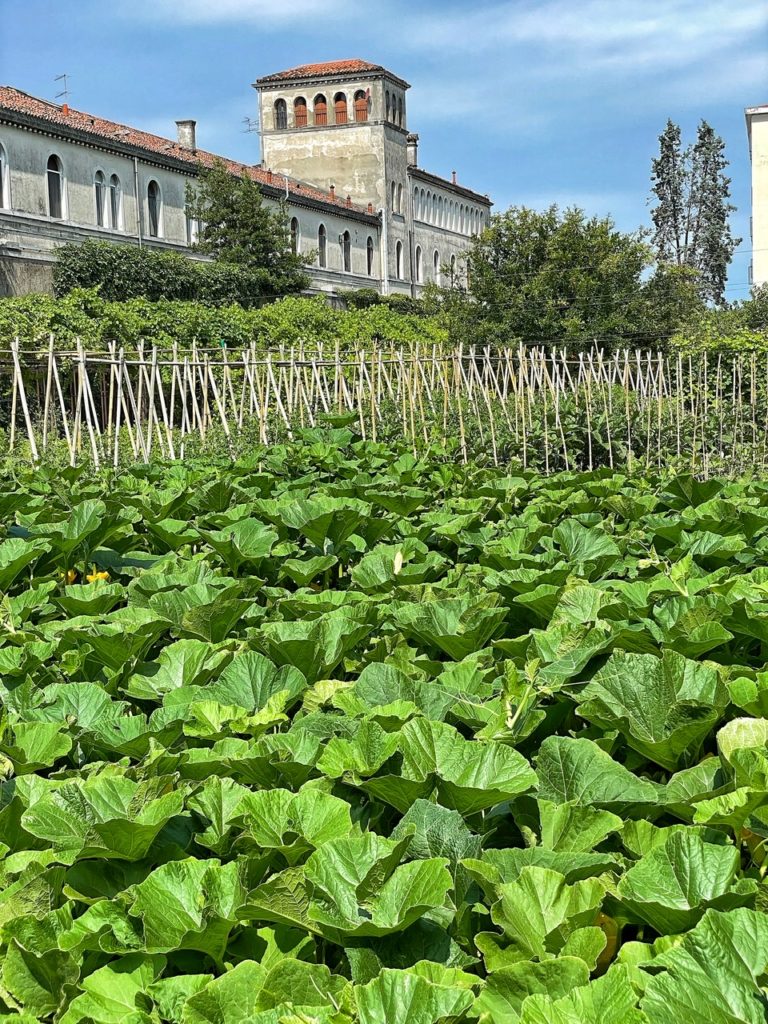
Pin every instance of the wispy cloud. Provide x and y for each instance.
(265, 13)
(625, 35)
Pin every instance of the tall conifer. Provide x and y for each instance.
(691, 216)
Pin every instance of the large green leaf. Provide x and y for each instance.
(663, 706)
(580, 771)
(714, 974)
(672, 886)
(103, 816)
(405, 996)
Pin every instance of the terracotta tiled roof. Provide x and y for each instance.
(333, 67)
(14, 101)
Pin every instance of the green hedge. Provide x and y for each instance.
(84, 314)
(122, 272)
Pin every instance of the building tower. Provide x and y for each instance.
(343, 126)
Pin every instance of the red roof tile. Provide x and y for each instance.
(16, 102)
(333, 67)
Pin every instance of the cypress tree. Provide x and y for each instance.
(691, 217)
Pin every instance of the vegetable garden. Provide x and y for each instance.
(529, 407)
(340, 734)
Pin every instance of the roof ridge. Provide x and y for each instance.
(160, 145)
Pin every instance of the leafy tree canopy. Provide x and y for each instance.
(558, 277)
(237, 226)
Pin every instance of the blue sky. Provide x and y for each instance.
(533, 102)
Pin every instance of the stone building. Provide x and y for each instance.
(757, 132)
(335, 148)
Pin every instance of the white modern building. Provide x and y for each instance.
(757, 132)
(336, 149)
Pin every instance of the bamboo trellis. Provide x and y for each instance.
(549, 409)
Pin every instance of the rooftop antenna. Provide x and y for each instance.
(65, 88)
(251, 126)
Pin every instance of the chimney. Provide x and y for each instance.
(453, 178)
(333, 191)
(349, 201)
(412, 149)
(65, 109)
(370, 208)
(269, 176)
(185, 133)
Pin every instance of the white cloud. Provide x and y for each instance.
(624, 34)
(265, 13)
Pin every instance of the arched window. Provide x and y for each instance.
(100, 189)
(55, 176)
(399, 261)
(115, 203)
(434, 210)
(436, 267)
(389, 105)
(154, 208)
(322, 246)
(5, 184)
(340, 108)
(294, 235)
(281, 115)
(300, 112)
(394, 197)
(453, 271)
(369, 253)
(361, 106)
(399, 198)
(440, 211)
(321, 109)
(400, 111)
(346, 251)
(419, 272)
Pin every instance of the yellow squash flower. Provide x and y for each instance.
(94, 576)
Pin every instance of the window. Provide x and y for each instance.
(193, 230)
(389, 105)
(369, 253)
(418, 264)
(436, 267)
(115, 203)
(321, 110)
(55, 188)
(281, 115)
(294, 235)
(346, 251)
(361, 106)
(300, 112)
(399, 261)
(394, 197)
(100, 188)
(400, 111)
(399, 198)
(5, 185)
(340, 108)
(453, 271)
(154, 208)
(322, 246)
(434, 210)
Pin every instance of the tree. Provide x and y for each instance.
(558, 277)
(238, 227)
(691, 216)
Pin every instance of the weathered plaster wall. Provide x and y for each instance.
(759, 123)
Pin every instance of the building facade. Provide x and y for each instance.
(757, 132)
(336, 150)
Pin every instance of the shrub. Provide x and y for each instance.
(122, 272)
